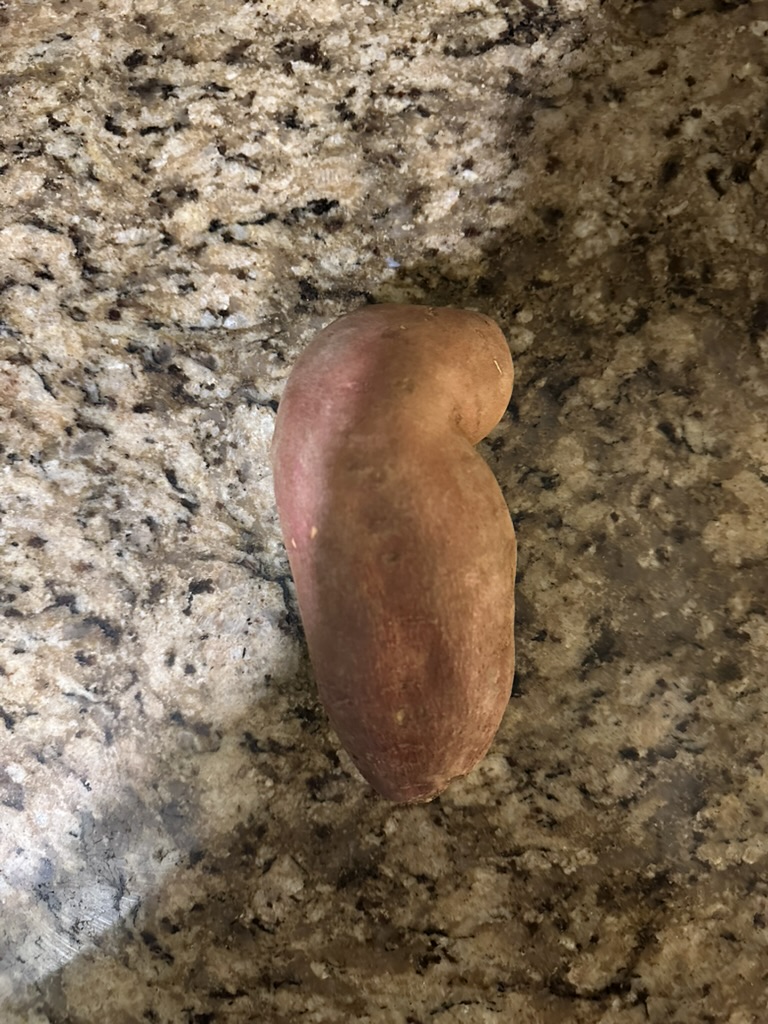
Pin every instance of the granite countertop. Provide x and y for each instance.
(187, 192)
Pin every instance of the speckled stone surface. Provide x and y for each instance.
(187, 192)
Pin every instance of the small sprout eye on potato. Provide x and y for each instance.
(399, 539)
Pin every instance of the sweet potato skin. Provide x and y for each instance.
(399, 539)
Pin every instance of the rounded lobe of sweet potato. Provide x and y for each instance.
(399, 539)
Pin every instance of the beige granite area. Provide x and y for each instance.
(187, 192)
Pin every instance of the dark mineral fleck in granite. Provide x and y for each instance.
(187, 192)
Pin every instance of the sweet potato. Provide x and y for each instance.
(399, 539)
